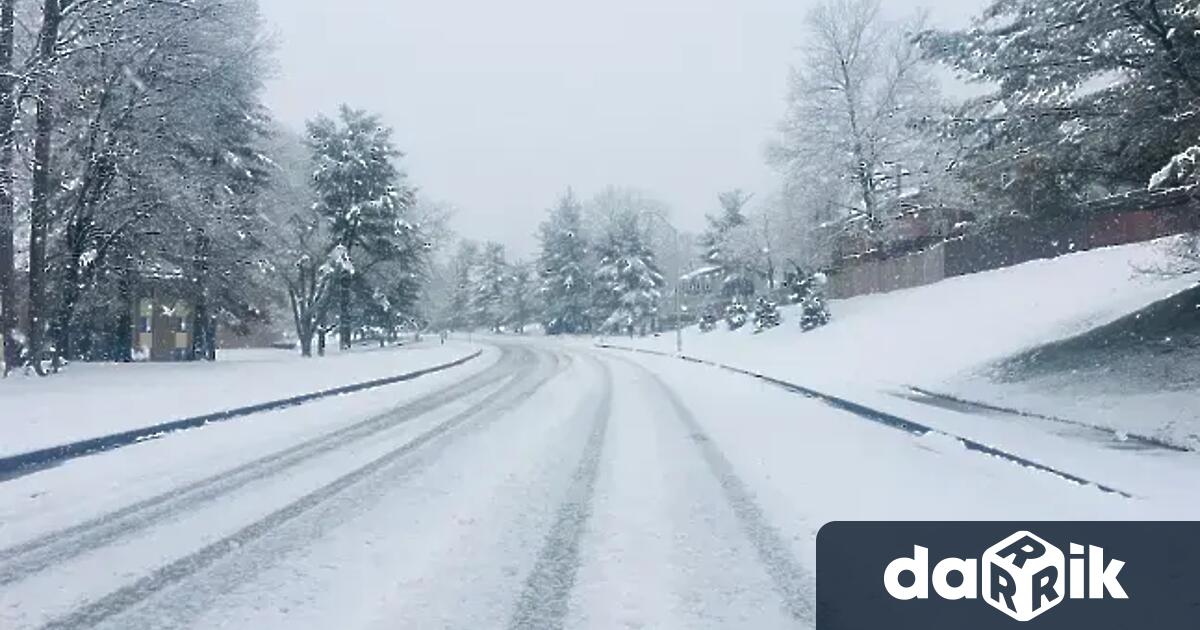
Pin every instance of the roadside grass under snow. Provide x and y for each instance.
(946, 336)
(89, 400)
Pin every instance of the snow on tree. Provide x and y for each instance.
(144, 159)
(301, 254)
(362, 195)
(723, 247)
(463, 271)
(521, 297)
(628, 284)
(766, 314)
(855, 108)
(491, 281)
(1181, 170)
(736, 315)
(808, 290)
(1085, 97)
(565, 270)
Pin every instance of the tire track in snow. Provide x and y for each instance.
(544, 600)
(795, 584)
(886, 419)
(192, 601)
(22, 464)
(23, 560)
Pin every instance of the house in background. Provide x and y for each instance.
(162, 321)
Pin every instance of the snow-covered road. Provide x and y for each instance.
(550, 486)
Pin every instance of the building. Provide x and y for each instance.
(162, 321)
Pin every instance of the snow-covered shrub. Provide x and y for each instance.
(813, 312)
(766, 314)
(1182, 170)
(736, 315)
(708, 322)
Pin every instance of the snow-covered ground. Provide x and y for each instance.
(89, 400)
(553, 484)
(943, 337)
(558, 486)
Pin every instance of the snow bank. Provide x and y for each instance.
(941, 336)
(89, 400)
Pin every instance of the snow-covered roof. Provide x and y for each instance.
(700, 273)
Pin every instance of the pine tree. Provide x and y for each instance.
(809, 293)
(463, 271)
(520, 297)
(737, 281)
(1085, 95)
(487, 302)
(361, 193)
(628, 282)
(565, 270)
(736, 315)
(766, 314)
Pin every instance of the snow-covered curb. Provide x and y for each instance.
(23, 463)
(882, 417)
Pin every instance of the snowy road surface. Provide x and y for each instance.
(543, 486)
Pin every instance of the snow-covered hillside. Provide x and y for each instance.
(943, 336)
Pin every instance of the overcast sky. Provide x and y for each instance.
(500, 105)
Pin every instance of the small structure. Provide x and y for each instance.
(162, 322)
(699, 290)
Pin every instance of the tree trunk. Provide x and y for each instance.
(302, 317)
(344, 327)
(306, 345)
(122, 349)
(62, 333)
(64, 348)
(321, 342)
(8, 114)
(39, 207)
(210, 339)
(200, 310)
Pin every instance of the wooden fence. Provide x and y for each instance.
(1115, 221)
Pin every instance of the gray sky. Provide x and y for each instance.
(500, 105)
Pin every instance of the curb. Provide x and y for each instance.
(25, 463)
(1145, 440)
(884, 418)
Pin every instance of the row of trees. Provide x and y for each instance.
(1075, 100)
(350, 241)
(128, 133)
(600, 270)
(597, 272)
(136, 157)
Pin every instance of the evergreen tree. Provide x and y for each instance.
(1087, 96)
(362, 195)
(463, 271)
(737, 280)
(766, 314)
(520, 297)
(809, 292)
(736, 315)
(565, 270)
(628, 282)
(487, 303)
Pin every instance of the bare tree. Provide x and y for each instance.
(855, 101)
(8, 114)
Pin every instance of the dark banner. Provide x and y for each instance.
(985, 575)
